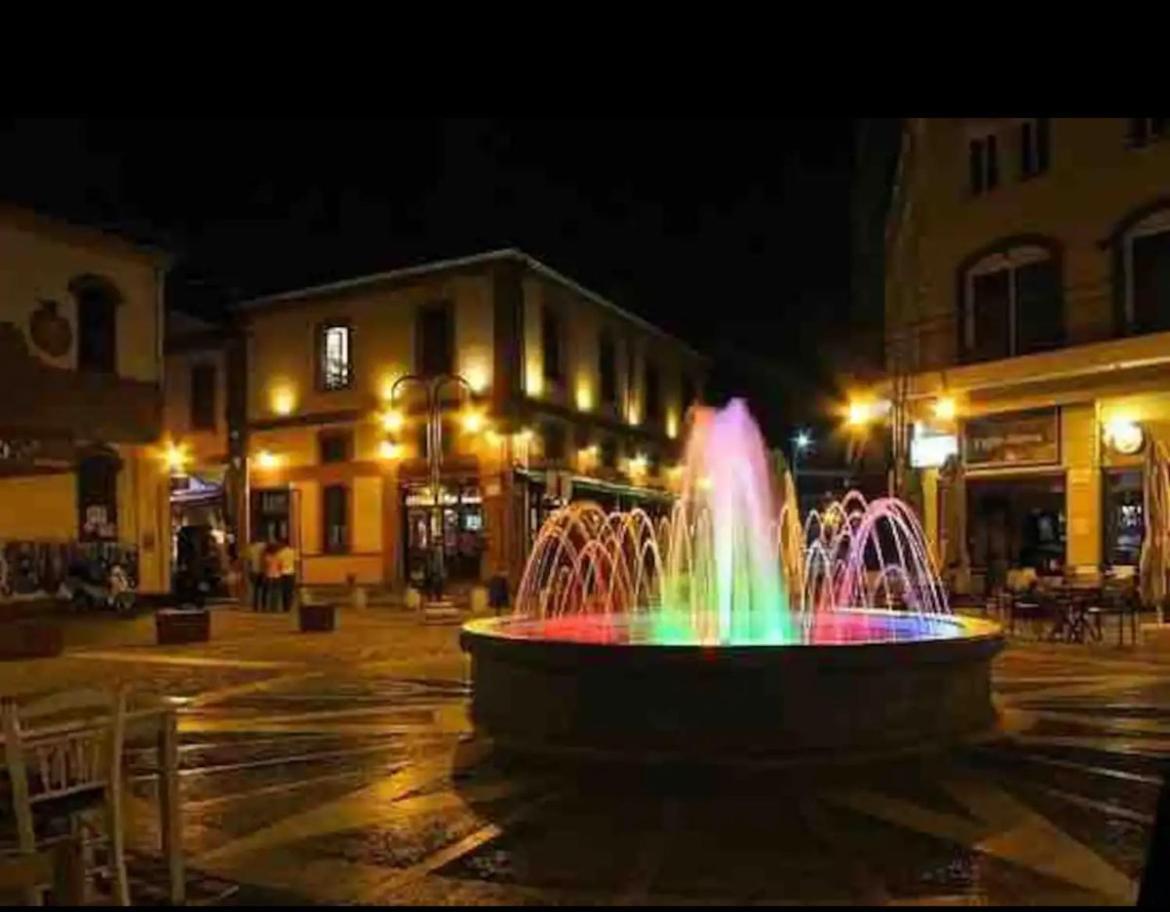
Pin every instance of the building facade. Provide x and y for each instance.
(549, 393)
(1028, 332)
(81, 476)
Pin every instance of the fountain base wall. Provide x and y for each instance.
(740, 703)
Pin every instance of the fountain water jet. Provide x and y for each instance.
(730, 620)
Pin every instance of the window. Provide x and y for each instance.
(335, 366)
(97, 496)
(984, 155)
(1145, 261)
(1143, 130)
(1033, 147)
(550, 341)
(335, 510)
(1124, 517)
(97, 322)
(653, 392)
(336, 446)
(436, 340)
(607, 367)
(203, 397)
(270, 514)
(1012, 304)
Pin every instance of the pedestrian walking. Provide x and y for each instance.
(256, 573)
(287, 557)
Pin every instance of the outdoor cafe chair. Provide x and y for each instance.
(64, 759)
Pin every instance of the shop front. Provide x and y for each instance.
(456, 520)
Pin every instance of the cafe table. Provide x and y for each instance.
(155, 723)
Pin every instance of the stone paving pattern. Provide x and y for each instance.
(341, 767)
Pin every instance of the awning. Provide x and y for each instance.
(197, 490)
(586, 482)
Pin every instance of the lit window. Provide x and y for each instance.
(336, 353)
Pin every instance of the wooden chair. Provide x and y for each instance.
(64, 755)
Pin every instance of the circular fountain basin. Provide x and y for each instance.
(850, 684)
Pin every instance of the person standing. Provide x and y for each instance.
(271, 578)
(256, 573)
(288, 573)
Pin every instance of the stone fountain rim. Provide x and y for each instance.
(977, 635)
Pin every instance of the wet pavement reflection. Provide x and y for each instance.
(353, 775)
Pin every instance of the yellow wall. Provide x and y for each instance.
(1094, 180)
(202, 446)
(47, 263)
(39, 507)
(287, 413)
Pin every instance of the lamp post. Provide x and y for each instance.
(801, 442)
(433, 386)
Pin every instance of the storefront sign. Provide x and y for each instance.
(1017, 438)
(930, 450)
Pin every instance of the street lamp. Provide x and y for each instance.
(433, 386)
(801, 442)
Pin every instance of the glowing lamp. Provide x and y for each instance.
(584, 397)
(392, 421)
(859, 413)
(637, 465)
(633, 415)
(671, 425)
(473, 421)
(944, 408)
(534, 379)
(176, 458)
(283, 401)
(265, 459)
(477, 377)
(388, 449)
(802, 440)
(1124, 435)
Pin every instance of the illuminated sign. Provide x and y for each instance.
(1017, 438)
(930, 451)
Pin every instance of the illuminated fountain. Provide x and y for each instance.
(729, 628)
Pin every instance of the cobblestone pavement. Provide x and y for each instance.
(342, 767)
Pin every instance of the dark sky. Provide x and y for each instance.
(734, 234)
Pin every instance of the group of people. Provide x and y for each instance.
(273, 570)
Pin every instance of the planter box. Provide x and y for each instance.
(182, 625)
(321, 617)
(31, 640)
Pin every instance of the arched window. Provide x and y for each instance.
(97, 323)
(1011, 301)
(97, 494)
(1142, 254)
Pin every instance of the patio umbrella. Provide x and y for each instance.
(1156, 543)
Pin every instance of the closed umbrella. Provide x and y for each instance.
(1156, 543)
(955, 559)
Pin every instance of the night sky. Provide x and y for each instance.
(733, 234)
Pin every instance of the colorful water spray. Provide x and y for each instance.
(732, 564)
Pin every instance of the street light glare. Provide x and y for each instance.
(803, 440)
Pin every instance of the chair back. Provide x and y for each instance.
(63, 744)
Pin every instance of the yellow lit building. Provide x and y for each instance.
(203, 418)
(1028, 332)
(555, 393)
(81, 474)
